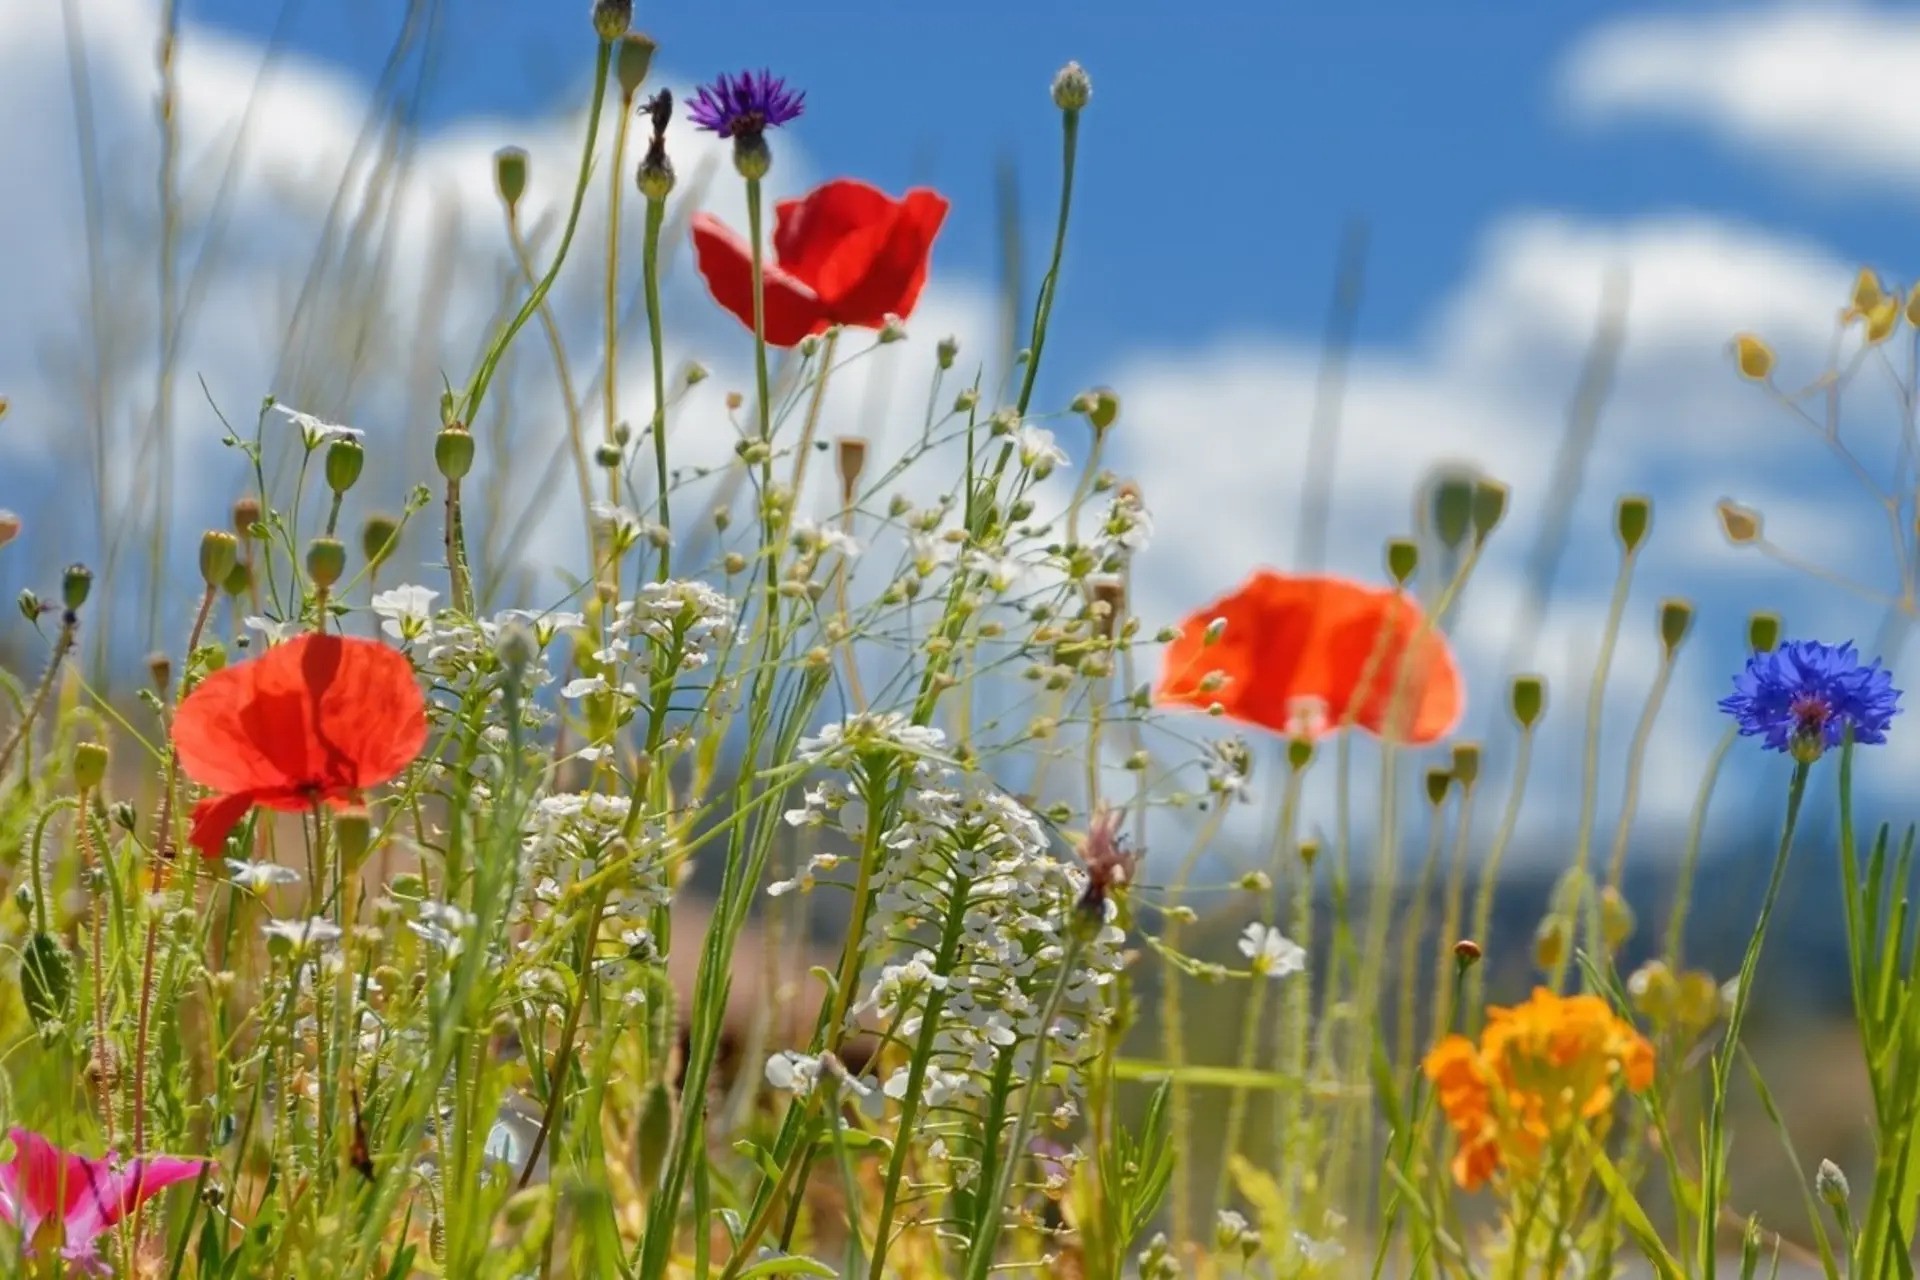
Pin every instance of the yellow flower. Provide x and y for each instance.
(1541, 1070)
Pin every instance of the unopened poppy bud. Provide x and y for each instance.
(1550, 942)
(377, 537)
(1632, 518)
(9, 527)
(510, 175)
(1741, 524)
(238, 580)
(1763, 632)
(947, 349)
(1439, 782)
(752, 158)
(1489, 505)
(159, 671)
(326, 562)
(353, 834)
(1403, 558)
(1452, 506)
(1676, 619)
(246, 517)
(453, 452)
(219, 552)
(611, 18)
(1466, 953)
(46, 981)
(1529, 699)
(1072, 88)
(1466, 763)
(1831, 1182)
(1753, 356)
(345, 458)
(75, 585)
(89, 765)
(1617, 921)
(1299, 753)
(633, 59)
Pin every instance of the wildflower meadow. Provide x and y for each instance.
(824, 871)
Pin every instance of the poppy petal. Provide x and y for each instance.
(370, 718)
(211, 733)
(807, 231)
(214, 819)
(882, 271)
(792, 309)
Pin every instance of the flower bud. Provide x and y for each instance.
(1489, 505)
(1617, 921)
(160, 671)
(46, 981)
(1299, 752)
(1632, 518)
(326, 562)
(89, 765)
(510, 175)
(1882, 320)
(377, 537)
(1072, 88)
(752, 158)
(1529, 699)
(1676, 619)
(1452, 509)
(516, 646)
(1741, 524)
(1466, 763)
(345, 458)
(219, 552)
(1831, 1182)
(1754, 357)
(1403, 559)
(607, 457)
(611, 18)
(453, 452)
(946, 350)
(633, 59)
(239, 579)
(696, 374)
(1867, 293)
(1550, 942)
(1763, 632)
(31, 606)
(1439, 782)
(655, 178)
(75, 585)
(1466, 953)
(246, 517)
(9, 526)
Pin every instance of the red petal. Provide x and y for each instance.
(864, 285)
(370, 718)
(792, 309)
(214, 732)
(808, 232)
(214, 819)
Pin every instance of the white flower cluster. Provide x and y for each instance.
(889, 731)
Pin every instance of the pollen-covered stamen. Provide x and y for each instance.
(1811, 712)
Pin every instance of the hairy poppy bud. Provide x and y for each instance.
(46, 981)
(453, 452)
(1632, 518)
(219, 552)
(510, 175)
(377, 538)
(1403, 559)
(1763, 632)
(633, 59)
(326, 561)
(611, 18)
(89, 765)
(345, 458)
(1754, 357)
(1072, 88)
(1529, 699)
(246, 517)
(75, 585)
(1676, 619)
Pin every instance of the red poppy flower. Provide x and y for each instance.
(1295, 644)
(319, 718)
(846, 254)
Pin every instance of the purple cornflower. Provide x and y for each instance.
(1805, 696)
(745, 105)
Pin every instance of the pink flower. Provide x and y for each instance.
(72, 1199)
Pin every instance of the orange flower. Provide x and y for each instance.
(1299, 654)
(1540, 1070)
(317, 719)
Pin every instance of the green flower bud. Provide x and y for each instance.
(611, 18)
(752, 159)
(947, 350)
(377, 538)
(238, 579)
(1489, 505)
(1550, 942)
(326, 562)
(1452, 497)
(46, 981)
(345, 457)
(633, 59)
(1632, 518)
(1831, 1182)
(89, 765)
(1676, 619)
(1466, 763)
(1299, 753)
(1763, 632)
(219, 553)
(510, 175)
(1072, 88)
(1439, 782)
(453, 452)
(1403, 559)
(75, 585)
(1617, 921)
(1529, 699)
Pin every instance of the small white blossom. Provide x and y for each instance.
(1038, 450)
(407, 610)
(315, 432)
(889, 729)
(258, 877)
(313, 932)
(1270, 952)
(793, 1072)
(273, 632)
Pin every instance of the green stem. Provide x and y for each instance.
(650, 274)
(1043, 304)
(1490, 872)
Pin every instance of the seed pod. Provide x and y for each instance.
(1632, 518)
(89, 765)
(326, 561)
(453, 452)
(376, 538)
(219, 552)
(510, 175)
(345, 458)
(1489, 505)
(1403, 559)
(75, 585)
(1529, 699)
(1763, 632)
(1676, 619)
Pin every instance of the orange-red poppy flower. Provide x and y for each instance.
(846, 254)
(1301, 654)
(317, 719)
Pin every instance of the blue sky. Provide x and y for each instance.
(1738, 164)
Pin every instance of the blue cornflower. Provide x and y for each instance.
(745, 105)
(1805, 696)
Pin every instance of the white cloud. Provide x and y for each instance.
(1823, 88)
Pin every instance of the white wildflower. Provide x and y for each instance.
(1270, 952)
(303, 934)
(407, 610)
(258, 877)
(315, 432)
(1038, 450)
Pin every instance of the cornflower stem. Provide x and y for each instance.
(477, 390)
(62, 646)
(917, 1073)
(656, 340)
(1490, 870)
(1590, 768)
(616, 187)
(1280, 845)
(1713, 1154)
(980, 1256)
